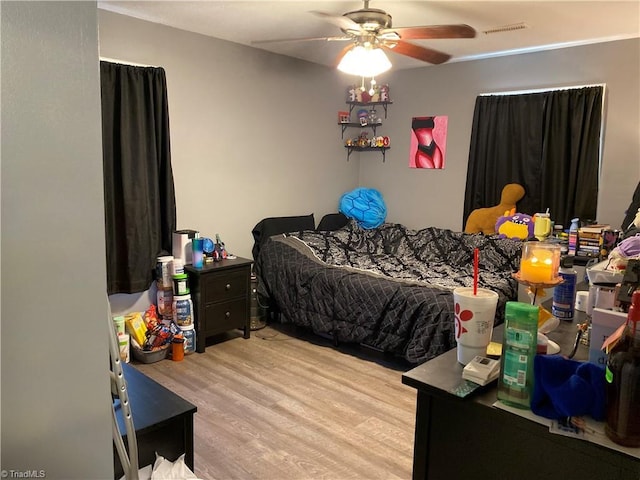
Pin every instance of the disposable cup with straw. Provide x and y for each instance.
(476, 261)
(475, 310)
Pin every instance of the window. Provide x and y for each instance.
(548, 142)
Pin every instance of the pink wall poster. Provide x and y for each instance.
(428, 142)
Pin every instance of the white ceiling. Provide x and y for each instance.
(550, 24)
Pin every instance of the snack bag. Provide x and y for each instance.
(157, 336)
(136, 327)
(151, 316)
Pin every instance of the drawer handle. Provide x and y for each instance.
(228, 287)
(227, 314)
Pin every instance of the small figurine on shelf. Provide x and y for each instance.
(363, 117)
(363, 140)
(384, 93)
(354, 94)
(343, 117)
(372, 117)
(374, 92)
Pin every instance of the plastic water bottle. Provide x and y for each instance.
(197, 244)
(564, 295)
(573, 235)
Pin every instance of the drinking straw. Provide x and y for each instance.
(475, 270)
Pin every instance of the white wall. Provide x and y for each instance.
(253, 134)
(419, 198)
(54, 359)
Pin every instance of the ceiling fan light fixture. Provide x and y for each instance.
(364, 62)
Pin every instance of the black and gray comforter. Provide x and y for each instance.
(389, 288)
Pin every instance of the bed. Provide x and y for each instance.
(388, 288)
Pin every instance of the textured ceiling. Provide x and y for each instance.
(549, 24)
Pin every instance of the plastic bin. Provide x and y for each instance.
(151, 356)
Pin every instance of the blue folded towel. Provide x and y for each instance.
(567, 388)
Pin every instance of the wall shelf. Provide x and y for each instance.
(351, 149)
(352, 144)
(352, 105)
(372, 126)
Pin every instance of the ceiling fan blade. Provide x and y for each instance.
(340, 21)
(342, 53)
(432, 31)
(304, 39)
(414, 51)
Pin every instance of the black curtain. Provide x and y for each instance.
(548, 142)
(140, 212)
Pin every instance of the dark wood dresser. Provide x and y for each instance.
(463, 438)
(221, 294)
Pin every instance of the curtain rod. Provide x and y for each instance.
(537, 90)
(115, 60)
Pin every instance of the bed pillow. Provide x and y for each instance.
(365, 205)
(332, 221)
(268, 227)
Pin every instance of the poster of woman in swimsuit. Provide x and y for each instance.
(428, 142)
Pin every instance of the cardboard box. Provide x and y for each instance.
(603, 323)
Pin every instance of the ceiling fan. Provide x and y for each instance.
(372, 28)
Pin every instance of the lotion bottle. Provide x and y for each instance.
(519, 346)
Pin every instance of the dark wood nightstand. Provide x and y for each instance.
(221, 294)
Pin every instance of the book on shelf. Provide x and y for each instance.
(589, 248)
(589, 235)
(595, 228)
(590, 241)
(587, 255)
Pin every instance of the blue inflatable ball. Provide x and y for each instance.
(365, 205)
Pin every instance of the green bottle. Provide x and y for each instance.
(519, 344)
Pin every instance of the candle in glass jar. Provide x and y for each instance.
(539, 263)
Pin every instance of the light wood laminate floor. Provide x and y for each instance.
(280, 407)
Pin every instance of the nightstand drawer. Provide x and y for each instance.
(222, 286)
(220, 317)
